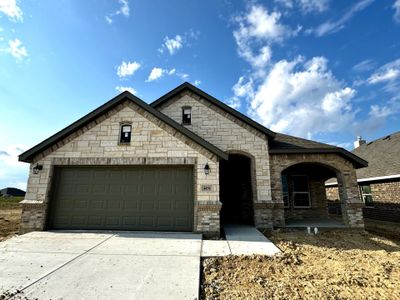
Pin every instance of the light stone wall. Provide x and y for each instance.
(231, 135)
(153, 142)
(345, 172)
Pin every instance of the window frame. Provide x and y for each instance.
(366, 194)
(303, 192)
(121, 127)
(184, 120)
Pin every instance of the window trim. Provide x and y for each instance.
(121, 126)
(308, 192)
(183, 115)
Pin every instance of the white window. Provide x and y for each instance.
(125, 134)
(301, 191)
(366, 195)
(186, 115)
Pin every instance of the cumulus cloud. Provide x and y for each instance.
(396, 7)
(127, 68)
(172, 45)
(388, 72)
(258, 27)
(157, 73)
(122, 10)
(197, 82)
(16, 49)
(126, 88)
(333, 26)
(300, 97)
(11, 9)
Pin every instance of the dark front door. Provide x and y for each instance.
(236, 190)
(123, 198)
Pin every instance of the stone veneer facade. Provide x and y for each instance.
(153, 142)
(233, 136)
(351, 203)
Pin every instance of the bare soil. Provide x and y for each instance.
(331, 265)
(10, 217)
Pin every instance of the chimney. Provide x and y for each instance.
(359, 142)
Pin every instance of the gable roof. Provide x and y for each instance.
(28, 155)
(383, 156)
(187, 86)
(286, 144)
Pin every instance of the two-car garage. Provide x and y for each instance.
(158, 198)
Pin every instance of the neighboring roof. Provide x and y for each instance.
(29, 154)
(383, 157)
(286, 144)
(216, 102)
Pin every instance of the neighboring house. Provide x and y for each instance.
(379, 183)
(186, 162)
(12, 192)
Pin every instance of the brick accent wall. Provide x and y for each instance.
(231, 135)
(153, 142)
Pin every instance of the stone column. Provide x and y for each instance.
(350, 199)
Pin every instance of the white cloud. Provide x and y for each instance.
(11, 9)
(127, 68)
(306, 6)
(123, 10)
(155, 74)
(12, 172)
(126, 88)
(259, 29)
(299, 97)
(197, 82)
(396, 7)
(365, 65)
(334, 26)
(386, 73)
(172, 44)
(16, 49)
(183, 76)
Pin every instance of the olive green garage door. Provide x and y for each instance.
(122, 198)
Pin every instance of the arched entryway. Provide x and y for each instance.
(236, 190)
(304, 196)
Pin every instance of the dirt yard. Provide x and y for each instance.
(330, 265)
(10, 217)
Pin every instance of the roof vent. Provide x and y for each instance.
(386, 137)
(359, 142)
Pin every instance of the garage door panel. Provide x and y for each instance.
(126, 198)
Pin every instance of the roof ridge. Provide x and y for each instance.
(186, 85)
(63, 133)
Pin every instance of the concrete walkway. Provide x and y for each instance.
(240, 240)
(115, 265)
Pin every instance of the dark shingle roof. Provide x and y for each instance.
(383, 156)
(286, 144)
(187, 86)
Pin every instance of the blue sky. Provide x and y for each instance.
(321, 69)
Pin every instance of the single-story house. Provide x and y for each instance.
(379, 183)
(12, 192)
(186, 162)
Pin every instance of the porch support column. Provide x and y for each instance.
(350, 199)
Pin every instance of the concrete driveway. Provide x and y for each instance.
(115, 265)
